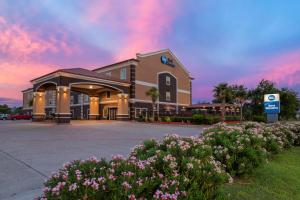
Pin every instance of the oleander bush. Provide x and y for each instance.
(176, 167)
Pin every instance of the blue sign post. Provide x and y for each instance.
(272, 107)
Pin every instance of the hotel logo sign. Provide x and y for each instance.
(167, 61)
(272, 103)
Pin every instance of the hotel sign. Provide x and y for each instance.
(167, 61)
(271, 103)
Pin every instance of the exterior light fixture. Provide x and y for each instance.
(91, 87)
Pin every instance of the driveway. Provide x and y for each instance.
(29, 152)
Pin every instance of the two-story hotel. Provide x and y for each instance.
(117, 91)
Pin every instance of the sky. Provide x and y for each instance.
(234, 41)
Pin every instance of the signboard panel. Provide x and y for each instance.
(271, 103)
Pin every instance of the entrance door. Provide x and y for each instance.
(112, 113)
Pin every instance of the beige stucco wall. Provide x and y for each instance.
(27, 97)
(183, 98)
(149, 66)
(63, 100)
(115, 73)
(147, 71)
(113, 96)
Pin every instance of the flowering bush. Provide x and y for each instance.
(239, 150)
(242, 148)
(176, 167)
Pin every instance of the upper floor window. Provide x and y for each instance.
(123, 74)
(168, 80)
(108, 94)
(168, 96)
(108, 73)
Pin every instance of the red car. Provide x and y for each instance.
(19, 116)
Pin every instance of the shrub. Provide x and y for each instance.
(240, 151)
(173, 169)
(259, 118)
(176, 167)
(167, 119)
(232, 118)
(202, 119)
(181, 119)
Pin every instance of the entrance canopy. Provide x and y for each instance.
(79, 80)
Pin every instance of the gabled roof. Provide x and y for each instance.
(164, 51)
(117, 63)
(83, 72)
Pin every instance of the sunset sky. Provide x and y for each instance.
(236, 41)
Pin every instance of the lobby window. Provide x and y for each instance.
(168, 96)
(168, 80)
(108, 94)
(72, 100)
(123, 74)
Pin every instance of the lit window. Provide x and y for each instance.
(108, 94)
(168, 96)
(123, 74)
(168, 80)
(108, 73)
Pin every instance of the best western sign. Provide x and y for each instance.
(272, 103)
(167, 61)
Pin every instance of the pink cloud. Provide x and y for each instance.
(284, 70)
(18, 42)
(146, 23)
(16, 76)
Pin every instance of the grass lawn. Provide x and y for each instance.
(278, 179)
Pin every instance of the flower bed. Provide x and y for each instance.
(176, 167)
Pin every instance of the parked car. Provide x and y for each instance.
(3, 116)
(19, 116)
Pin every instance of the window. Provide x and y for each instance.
(72, 100)
(123, 74)
(168, 96)
(108, 74)
(168, 80)
(108, 94)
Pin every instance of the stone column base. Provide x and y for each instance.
(62, 118)
(93, 117)
(123, 117)
(38, 117)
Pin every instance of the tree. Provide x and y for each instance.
(154, 94)
(256, 96)
(288, 103)
(5, 109)
(239, 93)
(222, 92)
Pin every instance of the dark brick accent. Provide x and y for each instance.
(38, 118)
(132, 81)
(163, 88)
(62, 118)
(123, 117)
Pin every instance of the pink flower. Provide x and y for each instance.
(126, 185)
(131, 197)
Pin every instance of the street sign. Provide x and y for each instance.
(271, 103)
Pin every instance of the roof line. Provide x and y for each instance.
(111, 65)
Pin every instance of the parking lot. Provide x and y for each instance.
(29, 152)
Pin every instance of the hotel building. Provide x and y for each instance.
(117, 91)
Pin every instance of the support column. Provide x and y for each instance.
(94, 108)
(63, 114)
(122, 113)
(38, 106)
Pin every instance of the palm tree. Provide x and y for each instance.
(221, 93)
(154, 94)
(240, 96)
